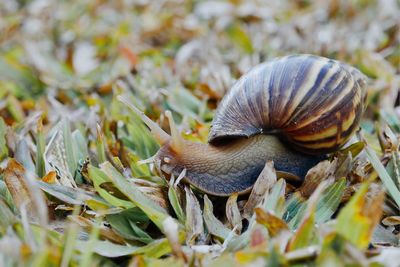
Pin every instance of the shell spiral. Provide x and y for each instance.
(313, 103)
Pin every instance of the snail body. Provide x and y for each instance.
(233, 166)
(292, 110)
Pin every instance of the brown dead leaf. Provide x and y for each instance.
(322, 171)
(391, 220)
(105, 89)
(130, 55)
(274, 224)
(105, 232)
(17, 184)
(374, 206)
(50, 177)
(344, 165)
(212, 94)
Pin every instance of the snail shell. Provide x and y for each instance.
(313, 103)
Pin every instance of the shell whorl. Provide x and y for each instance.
(314, 103)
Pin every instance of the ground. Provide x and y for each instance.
(73, 191)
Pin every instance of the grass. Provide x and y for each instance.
(73, 191)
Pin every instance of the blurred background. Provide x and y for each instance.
(59, 49)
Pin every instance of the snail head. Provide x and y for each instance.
(168, 156)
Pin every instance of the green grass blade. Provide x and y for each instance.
(383, 175)
(3, 146)
(98, 177)
(148, 206)
(40, 147)
(174, 200)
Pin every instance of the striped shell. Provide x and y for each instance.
(314, 103)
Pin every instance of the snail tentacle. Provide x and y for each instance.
(159, 134)
(176, 139)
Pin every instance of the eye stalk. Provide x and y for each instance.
(159, 134)
(176, 139)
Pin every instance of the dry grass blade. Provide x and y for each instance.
(6, 217)
(56, 159)
(387, 257)
(23, 192)
(384, 237)
(364, 212)
(391, 221)
(105, 232)
(276, 198)
(73, 191)
(194, 219)
(74, 196)
(174, 196)
(214, 226)
(322, 171)
(233, 213)
(11, 246)
(23, 156)
(274, 224)
(302, 254)
(172, 233)
(264, 182)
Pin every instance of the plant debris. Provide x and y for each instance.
(74, 189)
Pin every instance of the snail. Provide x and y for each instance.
(293, 110)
